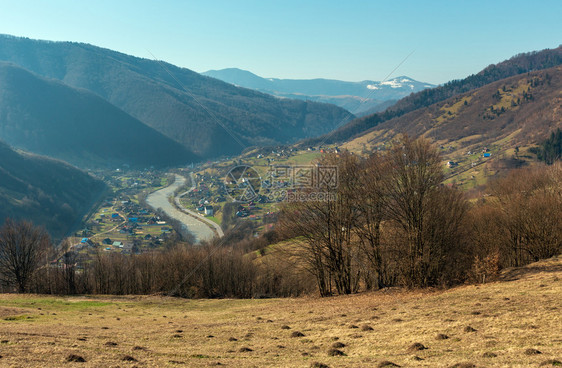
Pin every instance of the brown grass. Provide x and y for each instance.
(516, 315)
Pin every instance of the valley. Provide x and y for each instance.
(121, 221)
(480, 134)
(154, 216)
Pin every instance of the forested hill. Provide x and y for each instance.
(194, 110)
(50, 118)
(47, 192)
(519, 64)
(519, 111)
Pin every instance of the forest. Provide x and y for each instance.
(550, 150)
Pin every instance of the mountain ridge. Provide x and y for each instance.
(518, 64)
(153, 92)
(530, 102)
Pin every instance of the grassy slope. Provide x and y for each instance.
(519, 312)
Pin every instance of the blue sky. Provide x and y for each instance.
(348, 40)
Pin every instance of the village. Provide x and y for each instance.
(272, 172)
(122, 222)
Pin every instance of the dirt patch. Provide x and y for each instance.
(128, 358)
(387, 364)
(318, 365)
(75, 358)
(551, 362)
(335, 352)
(417, 347)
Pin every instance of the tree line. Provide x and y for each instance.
(550, 150)
(389, 222)
(394, 223)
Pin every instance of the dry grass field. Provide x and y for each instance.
(514, 322)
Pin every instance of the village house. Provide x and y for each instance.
(209, 211)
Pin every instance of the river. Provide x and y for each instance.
(159, 199)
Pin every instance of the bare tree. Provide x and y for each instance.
(327, 228)
(70, 260)
(411, 185)
(369, 197)
(22, 247)
(528, 203)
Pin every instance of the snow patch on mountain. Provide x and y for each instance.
(392, 83)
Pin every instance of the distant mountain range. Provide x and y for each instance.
(358, 97)
(48, 192)
(50, 118)
(205, 115)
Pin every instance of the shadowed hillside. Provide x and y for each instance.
(49, 118)
(47, 192)
(153, 92)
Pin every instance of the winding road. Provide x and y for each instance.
(200, 227)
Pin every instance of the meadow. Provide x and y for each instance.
(515, 321)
